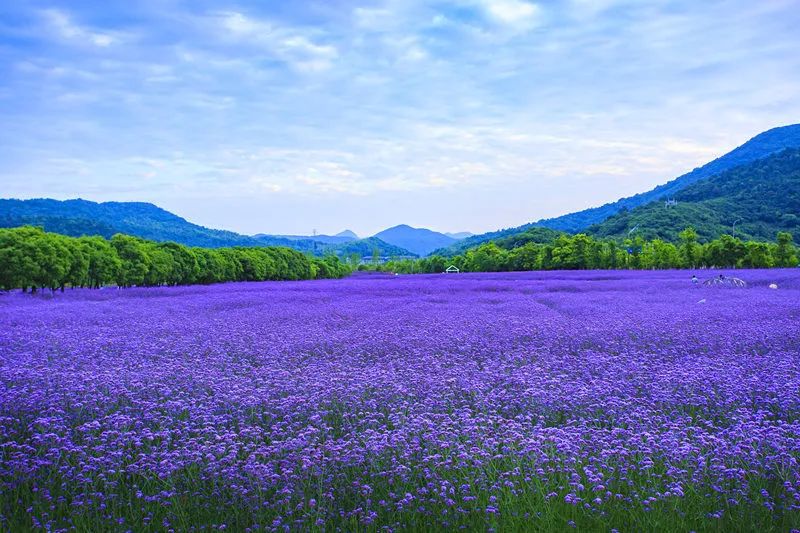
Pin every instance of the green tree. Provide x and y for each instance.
(18, 264)
(487, 258)
(160, 265)
(757, 255)
(660, 254)
(785, 252)
(134, 260)
(726, 251)
(689, 248)
(184, 268)
(78, 270)
(526, 257)
(103, 263)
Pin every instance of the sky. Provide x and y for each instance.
(288, 117)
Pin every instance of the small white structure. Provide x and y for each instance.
(773, 285)
(721, 280)
(452, 269)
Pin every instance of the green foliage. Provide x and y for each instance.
(135, 261)
(79, 218)
(760, 198)
(581, 251)
(536, 235)
(32, 258)
(785, 252)
(103, 263)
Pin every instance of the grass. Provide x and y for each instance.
(193, 500)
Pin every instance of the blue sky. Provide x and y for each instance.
(283, 117)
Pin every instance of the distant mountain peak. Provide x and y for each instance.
(347, 233)
(459, 235)
(421, 241)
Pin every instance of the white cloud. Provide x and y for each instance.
(288, 44)
(515, 13)
(67, 29)
(439, 102)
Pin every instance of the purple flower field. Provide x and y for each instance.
(515, 401)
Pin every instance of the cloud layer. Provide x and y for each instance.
(470, 115)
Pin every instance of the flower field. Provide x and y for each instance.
(633, 401)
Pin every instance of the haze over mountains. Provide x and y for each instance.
(756, 186)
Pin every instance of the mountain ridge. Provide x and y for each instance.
(76, 217)
(421, 241)
(758, 147)
(755, 201)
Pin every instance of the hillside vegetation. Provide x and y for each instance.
(762, 197)
(584, 252)
(76, 218)
(759, 147)
(147, 221)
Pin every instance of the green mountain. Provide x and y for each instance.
(463, 245)
(82, 217)
(761, 197)
(535, 235)
(367, 247)
(759, 147)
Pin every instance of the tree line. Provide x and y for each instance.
(581, 251)
(32, 259)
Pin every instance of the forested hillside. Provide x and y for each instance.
(371, 246)
(82, 217)
(762, 198)
(759, 147)
(78, 218)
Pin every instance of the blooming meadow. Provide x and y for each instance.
(634, 401)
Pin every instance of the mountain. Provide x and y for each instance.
(421, 241)
(460, 235)
(347, 233)
(326, 239)
(761, 197)
(536, 234)
(82, 217)
(459, 247)
(759, 147)
(368, 247)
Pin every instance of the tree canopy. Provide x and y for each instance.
(31, 258)
(581, 251)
